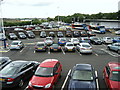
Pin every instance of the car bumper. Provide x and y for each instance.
(40, 49)
(86, 51)
(14, 48)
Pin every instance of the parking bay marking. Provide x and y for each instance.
(78, 52)
(97, 80)
(66, 80)
(63, 51)
(23, 49)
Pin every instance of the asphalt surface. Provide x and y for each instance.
(100, 57)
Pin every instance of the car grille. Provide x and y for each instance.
(38, 87)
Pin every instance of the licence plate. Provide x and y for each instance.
(2, 79)
(70, 49)
(39, 48)
(55, 49)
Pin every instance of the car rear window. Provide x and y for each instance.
(14, 43)
(40, 45)
(115, 76)
(86, 45)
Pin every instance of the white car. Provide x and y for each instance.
(16, 45)
(117, 32)
(69, 46)
(107, 40)
(75, 41)
(84, 48)
(49, 41)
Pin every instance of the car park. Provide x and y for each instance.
(83, 34)
(12, 36)
(114, 47)
(96, 40)
(111, 75)
(16, 45)
(46, 75)
(43, 34)
(62, 41)
(55, 47)
(84, 48)
(91, 33)
(68, 34)
(116, 39)
(4, 61)
(107, 40)
(83, 77)
(30, 34)
(17, 72)
(21, 35)
(117, 32)
(51, 34)
(84, 39)
(75, 41)
(49, 41)
(69, 46)
(76, 34)
(40, 46)
(60, 34)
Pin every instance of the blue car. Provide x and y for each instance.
(83, 77)
(116, 39)
(62, 41)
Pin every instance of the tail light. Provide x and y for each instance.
(35, 47)
(10, 79)
(83, 48)
(59, 47)
(51, 47)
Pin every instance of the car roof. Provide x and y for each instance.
(49, 63)
(40, 43)
(114, 66)
(84, 43)
(83, 67)
(16, 41)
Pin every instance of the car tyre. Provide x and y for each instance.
(21, 83)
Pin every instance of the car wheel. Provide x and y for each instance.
(21, 83)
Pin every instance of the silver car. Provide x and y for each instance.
(114, 47)
(107, 40)
(69, 46)
(16, 45)
(48, 41)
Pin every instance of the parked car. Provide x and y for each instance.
(60, 34)
(51, 34)
(2, 37)
(107, 40)
(76, 34)
(12, 36)
(4, 61)
(116, 39)
(84, 48)
(96, 40)
(49, 41)
(75, 41)
(117, 32)
(114, 47)
(40, 46)
(83, 77)
(43, 34)
(111, 75)
(91, 33)
(84, 39)
(46, 75)
(69, 46)
(55, 47)
(21, 35)
(30, 34)
(17, 72)
(62, 41)
(83, 34)
(16, 45)
(68, 34)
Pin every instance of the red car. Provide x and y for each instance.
(46, 75)
(111, 74)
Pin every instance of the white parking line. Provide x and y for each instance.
(65, 80)
(97, 80)
(34, 51)
(48, 50)
(78, 52)
(22, 49)
(96, 54)
(63, 51)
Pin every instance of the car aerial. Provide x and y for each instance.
(83, 77)
(62, 41)
(116, 39)
(12, 36)
(114, 47)
(83, 34)
(95, 40)
(91, 33)
(40, 46)
(30, 34)
(107, 40)
(46, 75)
(43, 34)
(21, 35)
(16, 45)
(69, 46)
(117, 32)
(51, 34)
(55, 47)
(68, 34)
(15, 73)
(60, 34)
(76, 34)
(84, 48)
(84, 39)
(111, 75)
(75, 41)
(4, 61)
(48, 40)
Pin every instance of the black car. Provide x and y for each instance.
(76, 34)
(68, 34)
(4, 61)
(12, 36)
(55, 47)
(30, 34)
(95, 40)
(90, 33)
(17, 72)
(51, 34)
(83, 34)
(22, 35)
(60, 34)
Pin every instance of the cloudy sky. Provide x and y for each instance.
(52, 8)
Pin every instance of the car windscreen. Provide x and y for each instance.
(14, 43)
(44, 72)
(82, 75)
(48, 39)
(115, 76)
(70, 45)
(86, 45)
(40, 45)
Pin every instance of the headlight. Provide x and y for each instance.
(48, 85)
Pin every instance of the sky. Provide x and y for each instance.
(52, 8)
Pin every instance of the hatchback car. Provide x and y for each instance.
(111, 75)
(55, 47)
(49, 41)
(62, 41)
(83, 34)
(30, 34)
(46, 75)
(40, 46)
(90, 33)
(83, 77)
(96, 40)
(107, 40)
(15, 73)
(4, 61)
(43, 34)
(60, 34)
(117, 32)
(76, 34)
(75, 41)
(51, 34)
(68, 34)
(69, 46)
(16, 45)
(84, 39)
(21, 35)
(12, 36)
(84, 48)
(116, 39)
